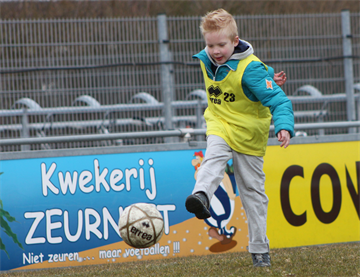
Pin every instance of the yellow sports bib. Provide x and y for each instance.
(242, 123)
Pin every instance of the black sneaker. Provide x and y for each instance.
(198, 204)
(261, 260)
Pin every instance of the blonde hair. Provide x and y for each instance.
(219, 21)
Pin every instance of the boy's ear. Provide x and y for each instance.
(236, 41)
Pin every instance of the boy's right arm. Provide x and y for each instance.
(280, 78)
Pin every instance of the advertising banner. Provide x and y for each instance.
(314, 193)
(64, 211)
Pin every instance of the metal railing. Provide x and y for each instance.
(185, 134)
(106, 122)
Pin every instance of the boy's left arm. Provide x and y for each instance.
(284, 137)
(258, 81)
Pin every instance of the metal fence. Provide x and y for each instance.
(62, 77)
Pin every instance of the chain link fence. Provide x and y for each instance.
(67, 77)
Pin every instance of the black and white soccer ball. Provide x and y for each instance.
(141, 225)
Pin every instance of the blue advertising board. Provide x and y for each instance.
(65, 206)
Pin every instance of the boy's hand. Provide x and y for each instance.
(280, 78)
(284, 137)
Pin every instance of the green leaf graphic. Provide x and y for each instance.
(5, 217)
(2, 247)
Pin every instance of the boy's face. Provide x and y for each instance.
(220, 46)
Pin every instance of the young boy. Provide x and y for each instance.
(242, 96)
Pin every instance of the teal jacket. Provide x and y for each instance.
(254, 85)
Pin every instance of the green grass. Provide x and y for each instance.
(327, 260)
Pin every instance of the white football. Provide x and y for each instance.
(141, 225)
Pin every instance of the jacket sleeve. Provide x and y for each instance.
(258, 85)
(271, 71)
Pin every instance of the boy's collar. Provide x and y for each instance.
(241, 47)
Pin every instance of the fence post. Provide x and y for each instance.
(348, 67)
(25, 132)
(167, 78)
(199, 114)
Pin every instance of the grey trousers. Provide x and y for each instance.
(250, 179)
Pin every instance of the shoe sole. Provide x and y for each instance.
(196, 206)
(262, 265)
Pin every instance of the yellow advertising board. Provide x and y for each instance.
(314, 193)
